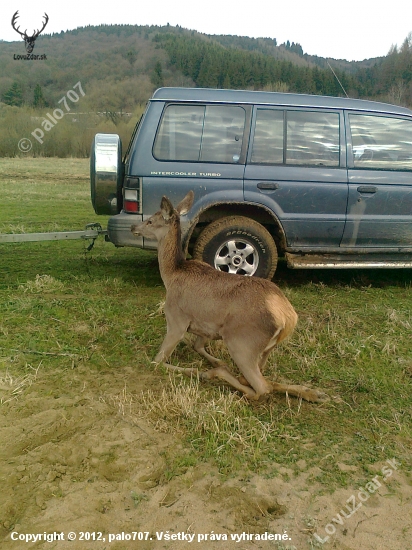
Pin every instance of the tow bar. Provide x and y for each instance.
(92, 231)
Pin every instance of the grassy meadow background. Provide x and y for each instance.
(65, 308)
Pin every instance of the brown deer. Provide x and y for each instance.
(249, 314)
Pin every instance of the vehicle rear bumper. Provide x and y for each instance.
(119, 230)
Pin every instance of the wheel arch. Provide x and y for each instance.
(257, 212)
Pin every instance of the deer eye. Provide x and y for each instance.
(149, 222)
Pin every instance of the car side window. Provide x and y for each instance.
(312, 138)
(381, 143)
(268, 139)
(201, 133)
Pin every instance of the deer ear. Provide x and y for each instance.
(166, 208)
(186, 204)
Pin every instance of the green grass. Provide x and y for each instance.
(62, 307)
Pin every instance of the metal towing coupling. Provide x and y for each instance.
(91, 232)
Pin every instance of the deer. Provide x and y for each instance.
(28, 40)
(251, 315)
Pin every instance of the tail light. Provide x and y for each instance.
(132, 193)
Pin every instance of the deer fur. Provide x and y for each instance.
(249, 314)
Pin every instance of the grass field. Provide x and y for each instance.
(68, 315)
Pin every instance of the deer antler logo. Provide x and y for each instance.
(28, 40)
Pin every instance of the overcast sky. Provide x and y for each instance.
(352, 30)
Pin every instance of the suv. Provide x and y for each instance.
(324, 181)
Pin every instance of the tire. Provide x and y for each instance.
(237, 244)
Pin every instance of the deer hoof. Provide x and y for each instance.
(316, 396)
(264, 398)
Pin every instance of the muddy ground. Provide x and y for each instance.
(76, 459)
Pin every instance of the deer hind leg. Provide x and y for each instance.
(246, 356)
(308, 394)
(222, 373)
(219, 371)
(315, 396)
(263, 355)
(261, 365)
(251, 362)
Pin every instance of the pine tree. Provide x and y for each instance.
(14, 95)
(157, 75)
(39, 100)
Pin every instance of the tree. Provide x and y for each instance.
(39, 100)
(157, 75)
(131, 56)
(226, 82)
(14, 95)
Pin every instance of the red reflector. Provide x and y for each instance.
(131, 206)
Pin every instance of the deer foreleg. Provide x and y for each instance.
(173, 337)
(199, 346)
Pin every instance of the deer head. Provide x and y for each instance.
(158, 225)
(28, 40)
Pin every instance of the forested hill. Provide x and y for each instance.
(211, 65)
(119, 66)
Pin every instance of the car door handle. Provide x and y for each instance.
(265, 186)
(367, 189)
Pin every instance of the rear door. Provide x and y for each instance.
(380, 182)
(296, 167)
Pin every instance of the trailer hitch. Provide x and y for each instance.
(92, 231)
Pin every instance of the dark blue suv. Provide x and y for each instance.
(324, 181)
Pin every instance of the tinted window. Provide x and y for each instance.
(202, 133)
(312, 139)
(268, 140)
(381, 142)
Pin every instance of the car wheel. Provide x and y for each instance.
(239, 245)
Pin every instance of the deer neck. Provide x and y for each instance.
(170, 251)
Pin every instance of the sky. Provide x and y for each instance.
(352, 30)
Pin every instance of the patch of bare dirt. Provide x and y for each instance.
(74, 461)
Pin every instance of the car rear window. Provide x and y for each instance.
(381, 143)
(201, 133)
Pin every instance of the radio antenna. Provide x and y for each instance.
(340, 83)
